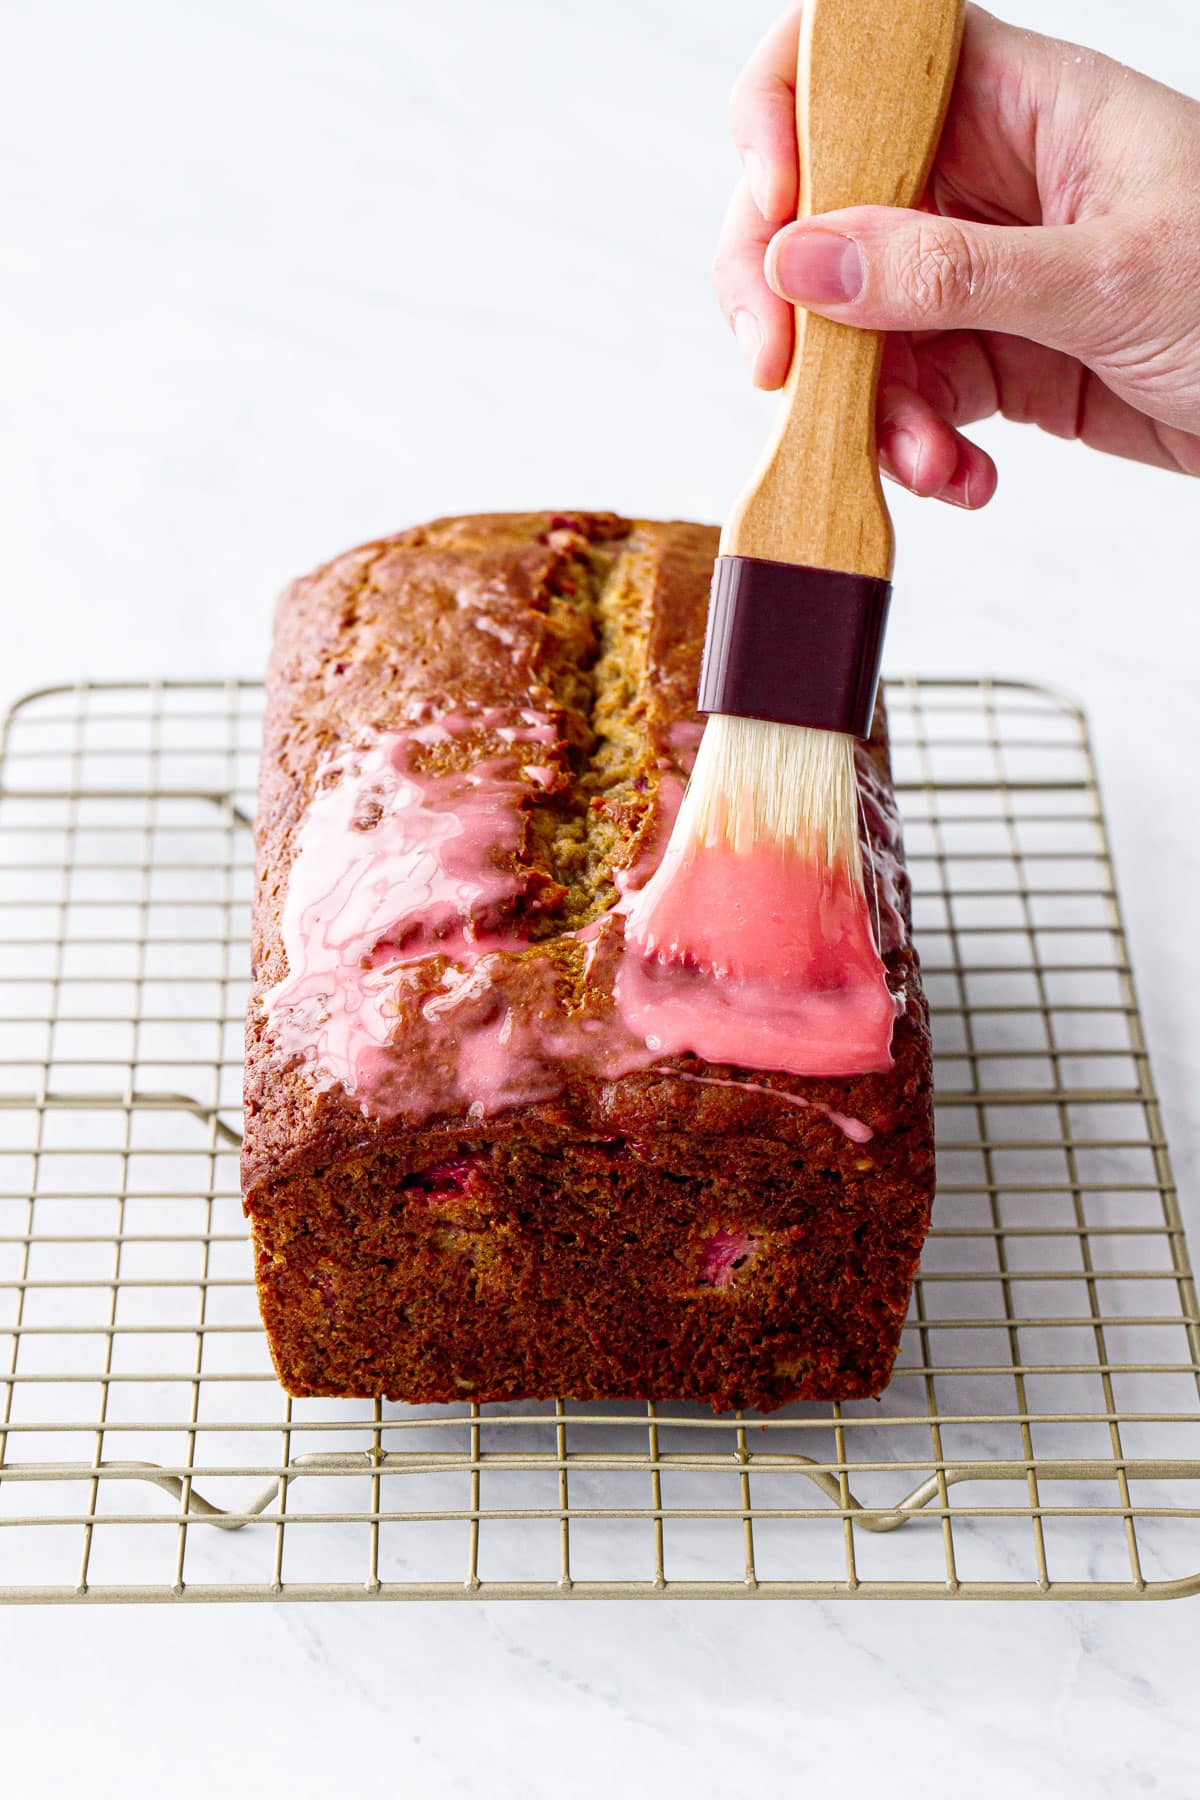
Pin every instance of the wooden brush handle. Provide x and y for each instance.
(872, 84)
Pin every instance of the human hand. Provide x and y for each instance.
(1052, 274)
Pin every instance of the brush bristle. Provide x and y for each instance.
(756, 783)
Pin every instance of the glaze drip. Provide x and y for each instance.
(855, 1129)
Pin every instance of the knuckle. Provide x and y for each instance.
(724, 276)
(741, 104)
(722, 265)
(1129, 255)
(754, 98)
(939, 388)
(1124, 281)
(941, 270)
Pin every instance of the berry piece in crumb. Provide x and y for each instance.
(725, 1252)
(462, 1176)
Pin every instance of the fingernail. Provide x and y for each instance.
(907, 452)
(748, 332)
(818, 268)
(759, 181)
(958, 490)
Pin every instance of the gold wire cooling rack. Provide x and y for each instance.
(1040, 1438)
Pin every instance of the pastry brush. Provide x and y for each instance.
(763, 877)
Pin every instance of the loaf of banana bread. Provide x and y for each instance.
(468, 1176)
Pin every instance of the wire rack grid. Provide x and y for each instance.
(1040, 1438)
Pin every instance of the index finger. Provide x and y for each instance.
(762, 117)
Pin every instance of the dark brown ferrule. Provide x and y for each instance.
(795, 645)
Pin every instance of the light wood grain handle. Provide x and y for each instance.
(872, 84)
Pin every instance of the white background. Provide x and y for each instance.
(280, 275)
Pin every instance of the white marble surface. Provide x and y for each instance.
(277, 275)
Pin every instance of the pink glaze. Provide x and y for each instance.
(394, 867)
(418, 862)
(404, 900)
(724, 1253)
(470, 1047)
(884, 873)
(761, 959)
(857, 1130)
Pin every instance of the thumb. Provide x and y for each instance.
(893, 270)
